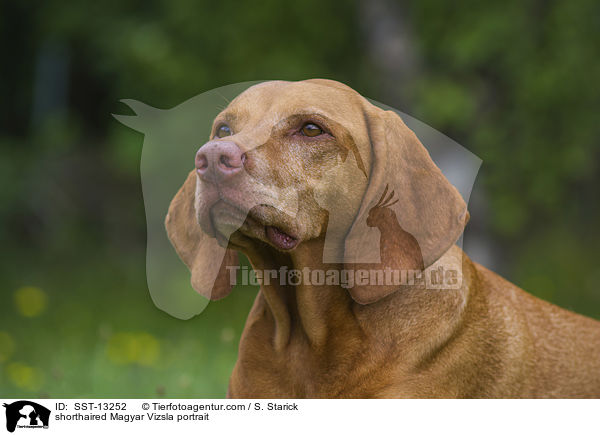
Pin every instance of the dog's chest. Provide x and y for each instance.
(298, 370)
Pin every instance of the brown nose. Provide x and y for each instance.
(219, 161)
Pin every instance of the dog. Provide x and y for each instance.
(310, 176)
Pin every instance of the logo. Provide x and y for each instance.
(390, 239)
(26, 414)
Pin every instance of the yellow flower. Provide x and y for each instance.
(129, 347)
(24, 377)
(30, 301)
(7, 346)
(149, 349)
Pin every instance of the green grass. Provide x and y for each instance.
(101, 336)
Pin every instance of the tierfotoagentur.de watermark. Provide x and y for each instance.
(437, 278)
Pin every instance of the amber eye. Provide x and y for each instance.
(223, 131)
(311, 130)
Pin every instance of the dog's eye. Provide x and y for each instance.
(311, 130)
(223, 131)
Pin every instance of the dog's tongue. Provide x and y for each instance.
(280, 239)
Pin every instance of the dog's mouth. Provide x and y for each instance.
(234, 227)
(281, 239)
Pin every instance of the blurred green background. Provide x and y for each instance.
(515, 82)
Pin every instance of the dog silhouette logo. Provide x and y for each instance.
(171, 159)
(26, 414)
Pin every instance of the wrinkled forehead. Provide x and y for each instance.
(270, 102)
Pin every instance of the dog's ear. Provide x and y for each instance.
(418, 213)
(206, 260)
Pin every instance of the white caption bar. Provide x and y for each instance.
(77, 416)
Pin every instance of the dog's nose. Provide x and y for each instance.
(219, 160)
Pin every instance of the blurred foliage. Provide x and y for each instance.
(523, 74)
(515, 82)
(30, 301)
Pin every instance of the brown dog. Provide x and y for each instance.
(300, 176)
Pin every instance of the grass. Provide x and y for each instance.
(99, 335)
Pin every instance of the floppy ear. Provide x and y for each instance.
(206, 260)
(414, 231)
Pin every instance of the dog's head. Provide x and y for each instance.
(291, 162)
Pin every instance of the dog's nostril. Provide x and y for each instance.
(201, 162)
(230, 161)
(224, 160)
(243, 158)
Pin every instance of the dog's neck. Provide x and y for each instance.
(297, 306)
(315, 311)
